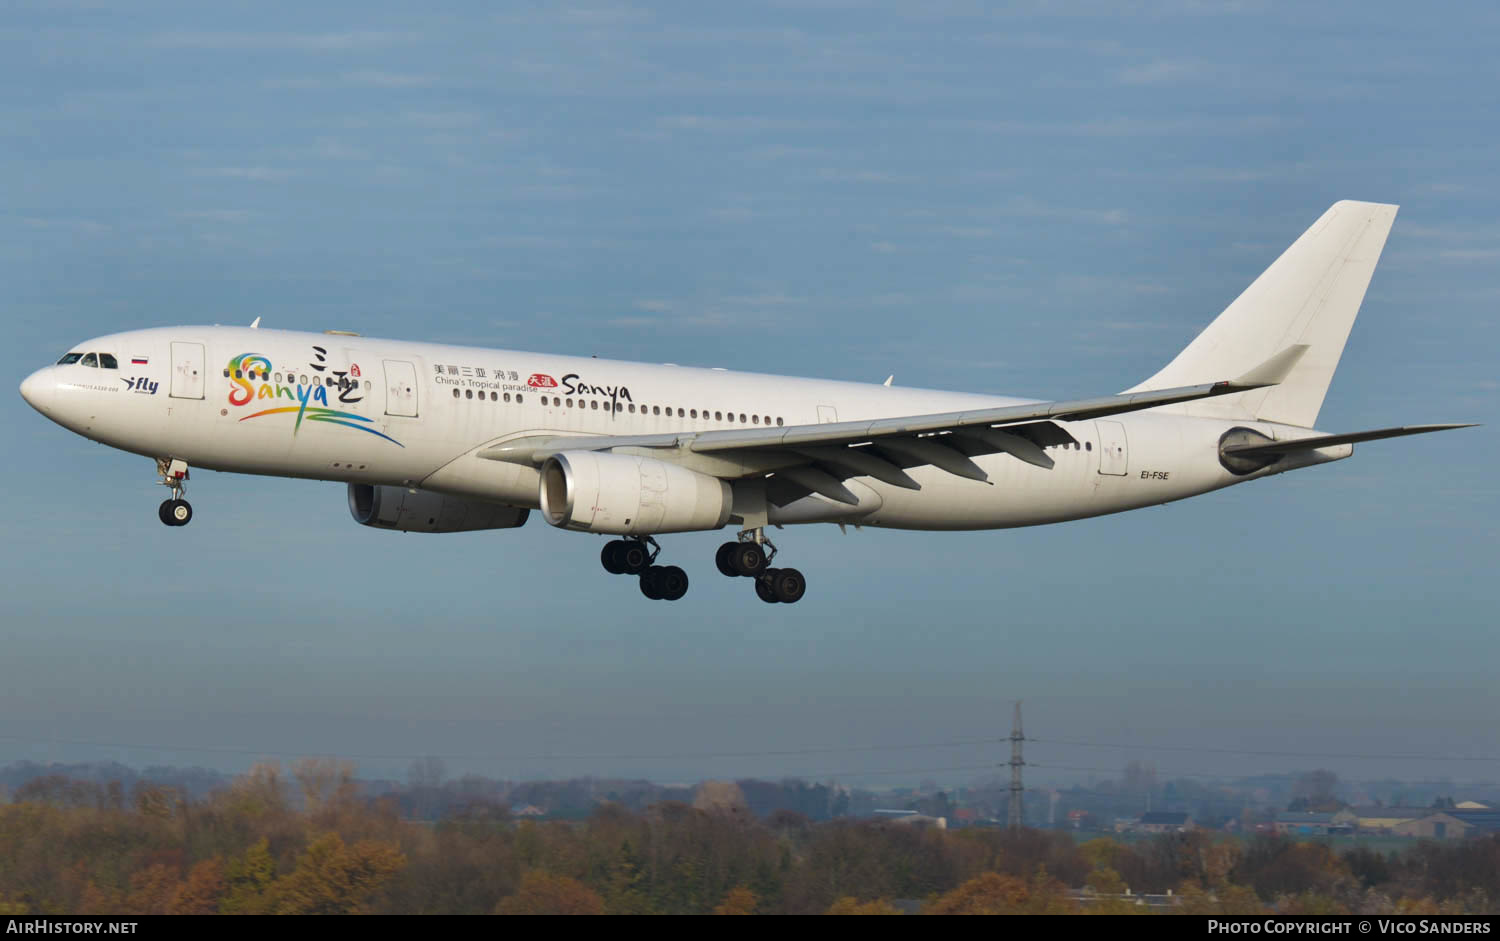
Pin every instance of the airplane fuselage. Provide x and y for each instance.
(387, 412)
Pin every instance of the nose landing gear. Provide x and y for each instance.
(174, 511)
(748, 558)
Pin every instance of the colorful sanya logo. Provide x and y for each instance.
(250, 380)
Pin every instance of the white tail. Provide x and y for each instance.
(1310, 297)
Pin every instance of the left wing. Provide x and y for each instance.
(816, 458)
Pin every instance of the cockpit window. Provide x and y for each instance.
(70, 359)
(108, 361)
(89, 359)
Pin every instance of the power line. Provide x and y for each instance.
(1264, 752)
(684, 756)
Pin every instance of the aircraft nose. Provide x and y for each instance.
(36, 389)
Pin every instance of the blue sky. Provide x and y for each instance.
(1038, 199)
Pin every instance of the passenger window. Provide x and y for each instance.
(778, 421)
(518, 398)
(595, 406)
(695, 413)
(679, 413)
(718, 416)
(656, 409)
(468, 393)
(742, 418)
(507, 396)
(1088, 445)
(278, 377)
(455, 393)
(71, 358)
(107, 361)
(755, 419)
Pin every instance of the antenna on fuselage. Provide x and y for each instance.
(255, 324)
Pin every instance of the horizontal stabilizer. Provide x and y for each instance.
(1325, 441)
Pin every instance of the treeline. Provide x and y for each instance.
(309, 843)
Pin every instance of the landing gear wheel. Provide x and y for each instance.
(610, 557)
(175, 512)
(787, 584)
(651, 583)
(763, 589)
(748, 559)
(634, 557)
(723, 556)
(671, 581)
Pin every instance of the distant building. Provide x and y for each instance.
(1437, 825)
(1309, 824)
(912, 818)
(1158, 821)
(1478, 822)
(1386, 819)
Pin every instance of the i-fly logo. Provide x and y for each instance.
(142, 385)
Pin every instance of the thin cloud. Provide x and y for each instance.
(217, 215)
(258, 174)
(83, 226)
(738, 124)
(1161, 72)
(311, 42)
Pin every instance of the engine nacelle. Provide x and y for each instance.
(630, 496)
(422, 511)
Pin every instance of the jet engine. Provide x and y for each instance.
(422, 511)
(628, 495)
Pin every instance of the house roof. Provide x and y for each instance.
(1393, 813)
(1487, 821)
(1304, 818)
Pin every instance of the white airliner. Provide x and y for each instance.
(434, 438)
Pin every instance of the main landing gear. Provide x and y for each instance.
(638, 557)
(748, 559)
(175, 511)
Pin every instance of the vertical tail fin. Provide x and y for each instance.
(1309, 297)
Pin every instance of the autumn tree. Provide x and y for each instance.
(542, 893)
(849, 905)
(996, 894)
(739, 901)
(332, 878)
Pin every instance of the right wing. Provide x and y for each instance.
(817, 458)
